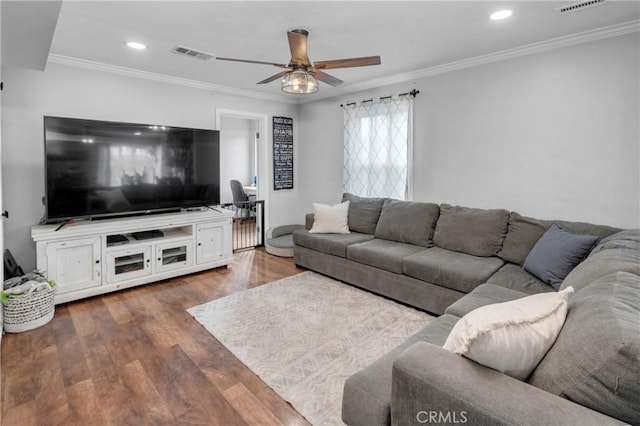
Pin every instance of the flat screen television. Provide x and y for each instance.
(97, 169)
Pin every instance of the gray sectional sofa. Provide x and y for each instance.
(450, 260)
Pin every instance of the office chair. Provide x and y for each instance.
(241, 200)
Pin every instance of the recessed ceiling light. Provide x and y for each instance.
(501, 14)
(136, 45)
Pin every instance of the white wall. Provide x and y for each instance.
(553, 135)
(236, 150)
(75, 92)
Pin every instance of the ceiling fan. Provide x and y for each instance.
(300, 74)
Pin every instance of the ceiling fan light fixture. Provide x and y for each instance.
(299, 81)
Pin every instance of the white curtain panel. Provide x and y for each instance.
(378, 148)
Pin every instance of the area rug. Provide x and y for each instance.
(306, 334)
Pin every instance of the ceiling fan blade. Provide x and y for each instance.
(252, 62)
(349, 62)
(323, 76)
(274, 77)
(298, 47)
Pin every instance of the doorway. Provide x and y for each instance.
(244, 157)
(238, 153)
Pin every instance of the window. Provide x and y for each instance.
(377, 148)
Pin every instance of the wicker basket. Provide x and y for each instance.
(30, 310)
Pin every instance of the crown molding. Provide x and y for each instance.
(551, 44)
(529, 49)
(163, 78)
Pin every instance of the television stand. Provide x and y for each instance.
(87, 258)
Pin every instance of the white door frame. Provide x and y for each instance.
(263, 172)
(1, 221)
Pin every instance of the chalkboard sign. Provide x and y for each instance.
(282, 153)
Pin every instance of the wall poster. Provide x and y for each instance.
(282, 153)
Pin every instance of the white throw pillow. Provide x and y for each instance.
(330, 219)
(511, 337)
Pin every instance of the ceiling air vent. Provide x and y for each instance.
(582, 5)
(181, 50)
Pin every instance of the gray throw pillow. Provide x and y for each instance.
(556, 253)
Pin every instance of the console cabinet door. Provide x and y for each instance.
(127, 264)
(213, 242)
(173, 255)
(74, 264)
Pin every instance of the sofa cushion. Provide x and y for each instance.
(484, 294)
(363, 212)
(511, 337)
(557, 253)
(383, 254)
(514, 277)
(457, 271)
(595, 360)
(524, 233)
(367, 393)
(330, 219)
(334, 244)
(407, 222)
(585, 228)
(618, 252)
(472, 231)
(627, 239)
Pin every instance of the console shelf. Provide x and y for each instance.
(88, 258)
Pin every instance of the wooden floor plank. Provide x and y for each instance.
(82, 319)
(167, 378)
(119, 311)
(21, 381)
(251, 410)
(84, 404)
(23, 415)
(72, 362)
(153, 408)
(52, 406)
(271, 400)
(195, 388)
(138, 357)
(117, 402)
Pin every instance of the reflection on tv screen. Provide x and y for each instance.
(98, 168)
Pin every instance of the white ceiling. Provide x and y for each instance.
(409, 36)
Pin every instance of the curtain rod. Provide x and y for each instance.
(413, 93)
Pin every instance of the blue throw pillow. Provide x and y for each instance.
(556, 253)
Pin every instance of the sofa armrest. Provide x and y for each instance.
(432, 385)
(308, 220)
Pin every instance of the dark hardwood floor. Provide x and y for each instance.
(136, 357)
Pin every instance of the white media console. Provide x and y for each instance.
(84, 260)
